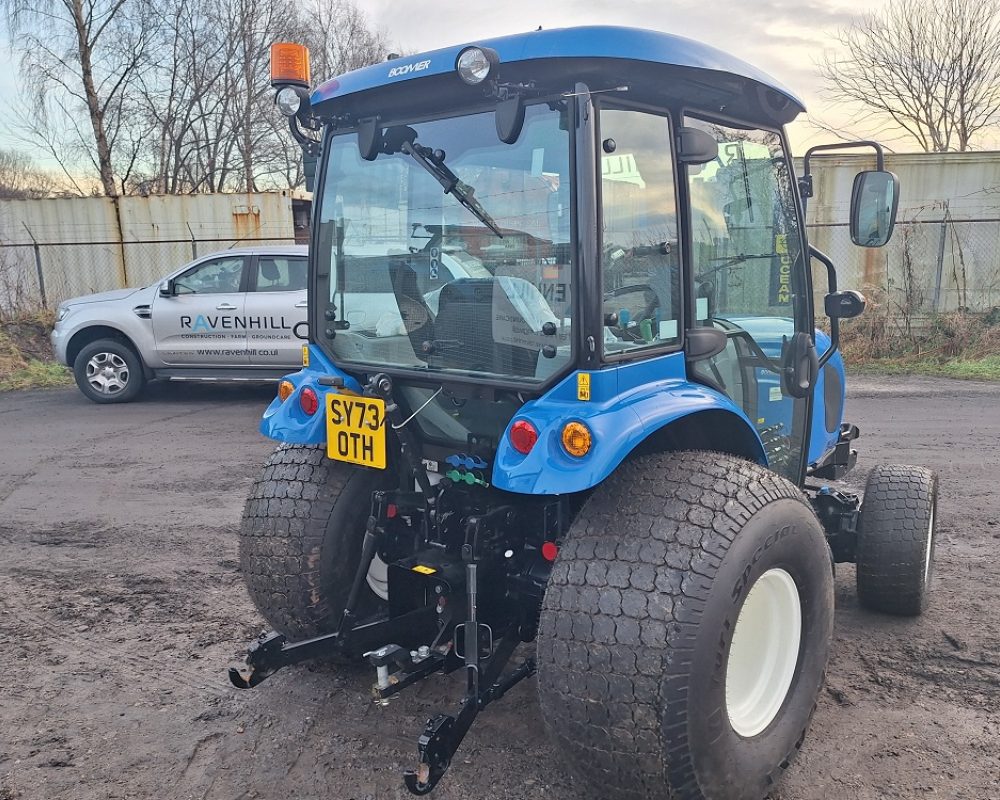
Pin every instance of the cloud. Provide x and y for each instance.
(781, 37)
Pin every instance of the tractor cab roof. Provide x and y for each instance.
(657, 67)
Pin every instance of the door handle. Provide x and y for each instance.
(302, 304)
(225, 307)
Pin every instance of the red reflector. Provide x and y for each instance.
(523, 436)
(309, 401)
(549, 551)
(391, 511)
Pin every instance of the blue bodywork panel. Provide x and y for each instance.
(287, 422)
(583, 42)
(768, 333)
(628, 403)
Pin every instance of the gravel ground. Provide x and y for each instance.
(121, 605)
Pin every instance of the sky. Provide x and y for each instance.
(785, 38)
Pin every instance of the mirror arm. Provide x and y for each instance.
(831, 278)
(309, 145)
(806, 182)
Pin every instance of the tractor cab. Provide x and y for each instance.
(576, 215)
(563, 384)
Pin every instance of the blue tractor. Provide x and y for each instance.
(563, 386)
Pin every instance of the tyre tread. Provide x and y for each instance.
(282, 535)
(608, 705)
(892, 538)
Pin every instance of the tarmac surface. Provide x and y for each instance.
(121, 605)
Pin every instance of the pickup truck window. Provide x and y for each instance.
(281, 274)
(218, 276)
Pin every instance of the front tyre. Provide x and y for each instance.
(896, 536)
(685, 629)
(300, 540)
(109, 371)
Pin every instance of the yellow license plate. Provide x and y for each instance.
(355, 430)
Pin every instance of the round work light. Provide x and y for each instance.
(289, 101)
(475, 64)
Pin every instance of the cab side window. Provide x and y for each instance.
(218, 276)
(640, 259)
(281, 274)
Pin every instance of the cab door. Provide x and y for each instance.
(202, 324)
(275, 303)
(748, 267)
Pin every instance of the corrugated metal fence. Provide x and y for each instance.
(945, 252)
(944, 256)
(54, 249)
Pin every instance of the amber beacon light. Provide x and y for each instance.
(289, 64)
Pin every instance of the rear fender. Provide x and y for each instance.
(286, 421)
(628, 405)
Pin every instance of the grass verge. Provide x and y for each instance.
(25, 356)
(36, 375)
(986, 368)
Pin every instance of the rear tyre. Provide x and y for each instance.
(300, 539)
(109, 371)
(685, 629)
(896, 538)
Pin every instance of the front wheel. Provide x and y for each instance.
(896, 536)
(109, 371)
(685, 629)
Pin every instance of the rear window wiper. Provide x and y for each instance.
(433, 162)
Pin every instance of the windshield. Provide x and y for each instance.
(475, 281)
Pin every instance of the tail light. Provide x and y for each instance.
(309, 401)
(523, 436)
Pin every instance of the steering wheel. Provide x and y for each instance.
(622, 329)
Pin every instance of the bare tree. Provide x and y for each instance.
(209, 98)
(928, 67)
(340, 37)
(20, 179)
(172, 97)
(80, 59)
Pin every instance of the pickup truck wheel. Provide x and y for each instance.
(109, 371)
(685, 629)
(896, 537)
(300, 540)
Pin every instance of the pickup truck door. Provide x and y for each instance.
(275, 302)
(203, 324)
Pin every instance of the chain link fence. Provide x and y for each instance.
(58, 248)
(931, 266)
(44, 274)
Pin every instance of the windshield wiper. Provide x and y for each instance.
(433, 162)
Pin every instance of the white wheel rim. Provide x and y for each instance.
(378, 577)
(764, 652)
(930, 545)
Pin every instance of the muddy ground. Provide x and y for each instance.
(121, 604)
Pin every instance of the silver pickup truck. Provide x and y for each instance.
(225, 316)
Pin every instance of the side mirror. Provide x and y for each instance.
(800, 365)
(844, 305)
(694, 146)
(168, 289)
(874, 201)
(509, 117)
(369, 138)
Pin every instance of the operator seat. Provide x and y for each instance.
(464, 330)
